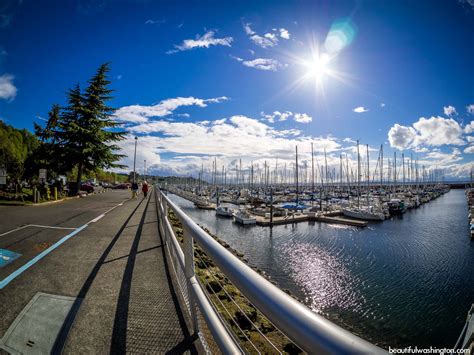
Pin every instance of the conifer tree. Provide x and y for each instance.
(84, 133)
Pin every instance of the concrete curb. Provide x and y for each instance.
(18, 203)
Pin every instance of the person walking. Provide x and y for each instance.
(145, 189)
(134, 189)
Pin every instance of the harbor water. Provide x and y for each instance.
(406, 281)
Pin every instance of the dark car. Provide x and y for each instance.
(123, 186)
(87, 188)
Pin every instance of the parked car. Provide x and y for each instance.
(87, 188)
(123, 186)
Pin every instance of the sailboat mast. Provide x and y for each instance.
(358, 175)
(395, 172)
(381, 166)
(368, 176)
(296, 176)
(312, 174)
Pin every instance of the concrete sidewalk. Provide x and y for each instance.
(117, 271)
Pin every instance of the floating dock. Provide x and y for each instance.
(339, 220)
(290, 219)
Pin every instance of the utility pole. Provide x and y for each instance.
(134, 160)
(144, 170)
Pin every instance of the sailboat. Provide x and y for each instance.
(368, 212)
(224, 211)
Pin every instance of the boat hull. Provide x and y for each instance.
(363, 215)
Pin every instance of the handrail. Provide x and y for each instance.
(218, 330)
(308, 330)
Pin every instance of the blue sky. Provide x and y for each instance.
(238, 80)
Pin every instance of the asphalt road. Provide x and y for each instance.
(69, 213)
(115, 266)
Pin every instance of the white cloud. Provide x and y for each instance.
(141, 114)
(283, 116)
(469, 127)
(442, 158)
(360, 109)
(437, 131)
(284, 33)
(204, 41)
(276, 116)
(382, 104)
(268, 40)
(470, 109)
(449, 110)
(470, 139)
(247, 29)
(229, 139)
(155, 22)
(302, 118)
(236, 58)
(469, 149)
(434, 131)
(7, 89)
(263, 64)
(401, 137)
(420, 150)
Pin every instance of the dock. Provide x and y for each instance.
(339, 220)
(290, 219)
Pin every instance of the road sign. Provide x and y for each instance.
(42, 174)
(3, 176)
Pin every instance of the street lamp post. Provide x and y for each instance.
(144, 172)
(135, 159)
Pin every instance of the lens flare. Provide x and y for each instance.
(340, 35)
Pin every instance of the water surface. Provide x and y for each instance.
(403, 281)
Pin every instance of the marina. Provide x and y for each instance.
(404, 281)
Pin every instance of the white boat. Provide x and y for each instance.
(368, 214)
(243, 217)
(224, 211)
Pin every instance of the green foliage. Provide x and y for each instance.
(83, 134)
(17, 150)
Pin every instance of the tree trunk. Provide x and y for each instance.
(79, 177)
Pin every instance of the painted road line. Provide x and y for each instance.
(38, 257)
(14, 230)
(97, 218)
(120, 204)
(51, 227)
(34, 225)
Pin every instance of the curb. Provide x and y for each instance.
(18, 203)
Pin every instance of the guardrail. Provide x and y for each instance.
(308, 330)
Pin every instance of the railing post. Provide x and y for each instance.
(188, 249)
(165, 217)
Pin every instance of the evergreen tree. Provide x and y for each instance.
(90, 128)
(84, 133)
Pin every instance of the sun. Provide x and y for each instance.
(319, 66)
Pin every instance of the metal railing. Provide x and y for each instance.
(308, 330)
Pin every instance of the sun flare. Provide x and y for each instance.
(319, 66)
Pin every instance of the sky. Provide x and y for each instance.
(198, 81)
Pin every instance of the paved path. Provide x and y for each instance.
(116, 266)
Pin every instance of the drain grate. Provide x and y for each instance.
(38, 325)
